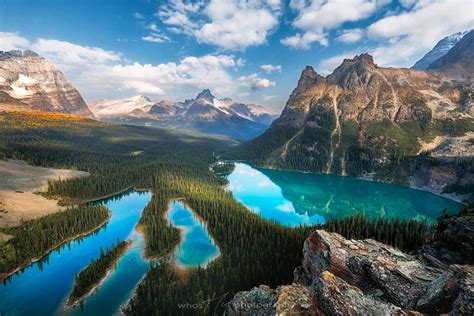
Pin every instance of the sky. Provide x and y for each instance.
(249, 50)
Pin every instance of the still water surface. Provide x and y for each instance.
(294, 198)
(43, 287)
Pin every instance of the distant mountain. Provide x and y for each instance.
(458, 63)
(118, 107)
(364, 119)
(204, 113)
(28, 79)
(440, 49)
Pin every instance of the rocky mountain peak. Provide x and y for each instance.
(35, 81)
(308, 78)
(354, 72)
(458, 63)
(362, 61)
(17, 54)
(206, 95)
(439, 50)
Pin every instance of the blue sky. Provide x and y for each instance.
(252, 51)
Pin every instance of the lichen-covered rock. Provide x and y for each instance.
(291, 299)
(452, 239)
(403, 279)
(365, 277)
(259, 301)
(464, 303)
(295, 299)
(337, 297)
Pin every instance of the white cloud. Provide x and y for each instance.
(351, 36)
(304, 41)
(156, 38)
(11, 41)
(408, 35)
(317, 17)
(230, 24)
(156, 35)
(69, 54)
(269, 68)
(255, 82)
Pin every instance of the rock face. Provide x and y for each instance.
(458, 62)
(36, 82)
(204, 113)
(452, 240)
(364, 277)
(440, 49)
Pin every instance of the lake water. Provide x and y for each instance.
(294, 198)
(197, 247)
(42, 288)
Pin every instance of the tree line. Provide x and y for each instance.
(87, 278)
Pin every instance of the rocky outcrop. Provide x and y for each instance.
(452, 239)
(36, 82)
(364, 277)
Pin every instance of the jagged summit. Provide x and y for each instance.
(17, 53)
(354, 72)
(308, 78)
(364, 58)
(206, 95)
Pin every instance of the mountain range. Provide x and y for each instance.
(204, 113)
(364, 119)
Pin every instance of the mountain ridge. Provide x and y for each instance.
(204, 113)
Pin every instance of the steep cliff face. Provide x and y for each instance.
(440, 49)
(364, 277)
(363, 118)
(458, 62)
(36, 82)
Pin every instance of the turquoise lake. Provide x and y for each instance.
(295, 198)
(197, 247)
(43, 287)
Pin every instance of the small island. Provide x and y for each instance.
(97, 271)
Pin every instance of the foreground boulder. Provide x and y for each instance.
(365, 277)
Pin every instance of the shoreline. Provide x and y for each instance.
(204, 225)
(81, 299)
(450, 196)
(4, 276)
